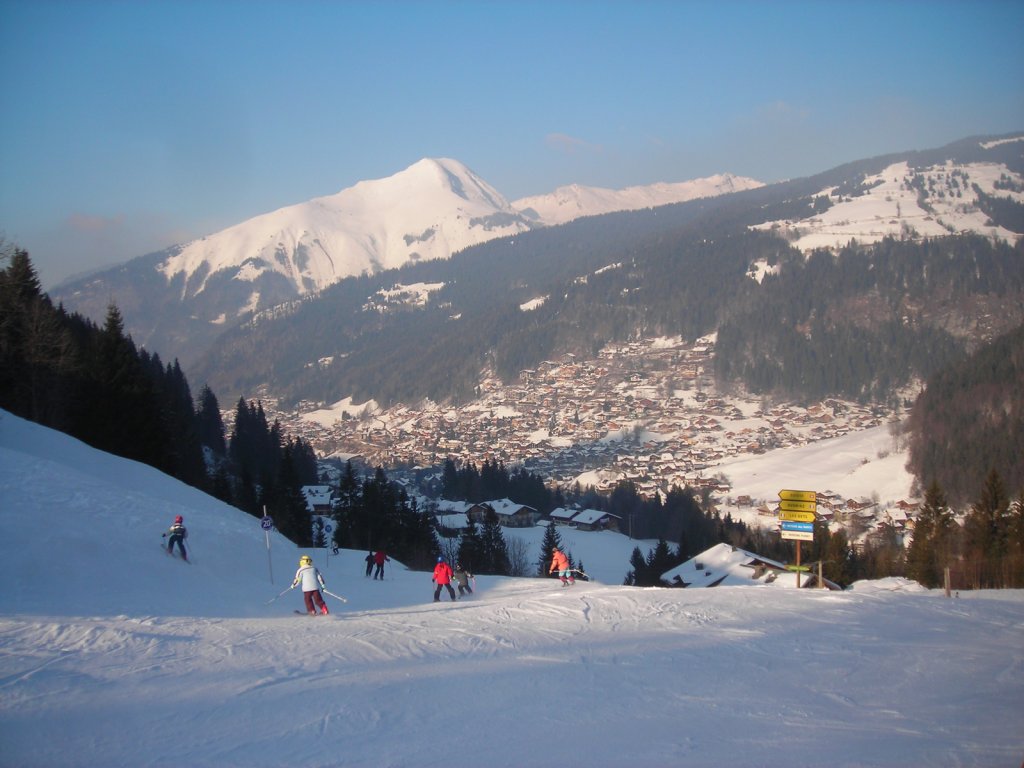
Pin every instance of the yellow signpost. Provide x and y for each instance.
(797, 510)
(797, 506)
(811, 496)
(798, 517)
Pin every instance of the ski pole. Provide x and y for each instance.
(338, 597)
(277, 596)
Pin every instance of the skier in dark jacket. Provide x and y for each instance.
(369, 562)
(178, 533)
(462, 577)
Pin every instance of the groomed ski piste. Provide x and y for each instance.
(113, 654)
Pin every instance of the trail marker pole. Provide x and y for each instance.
(266, 523)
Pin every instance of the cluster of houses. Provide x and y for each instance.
(640, 411)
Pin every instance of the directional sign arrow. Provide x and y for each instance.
(798, 517)
(797, 536)
(797, 506)
(798, 495)
(790, 526)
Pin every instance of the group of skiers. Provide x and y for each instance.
(443, 576)
(308, 576)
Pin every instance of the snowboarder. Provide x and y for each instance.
(178, 533)
(312, 582)
(462, 577)
(560, 563)
(443, 578)
(379, 559)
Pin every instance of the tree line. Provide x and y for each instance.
(92, 382)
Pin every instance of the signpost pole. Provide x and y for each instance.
(266, 524)
(798, 513)
(798, 563)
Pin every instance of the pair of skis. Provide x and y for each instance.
(322, 589)
(170, 553)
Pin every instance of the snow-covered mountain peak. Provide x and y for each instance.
(427, 211)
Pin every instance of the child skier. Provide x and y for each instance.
(462, 577)
(443, 578)
(178, 533)
(560, 563)
(312, 582)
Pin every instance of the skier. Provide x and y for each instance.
(379, 559)
(560, 563)
(178, 533)
(462, 577)
(369, 562)
(312, 582)
(443, 578)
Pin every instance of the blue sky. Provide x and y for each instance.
(131, 126)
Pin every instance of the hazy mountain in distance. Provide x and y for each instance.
(575, 201)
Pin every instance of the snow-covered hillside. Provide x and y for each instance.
(574, 201)
(114, 654)
(428, 211)
(937, 201)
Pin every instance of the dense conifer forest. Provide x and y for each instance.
(93, 383)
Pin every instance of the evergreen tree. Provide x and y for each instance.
(638, 575)
(349, 498)
(552, 540)
(495, 551)
(985, 529)
(211, 425)
(930, 550)
(659, 560)
(837, 559)
(471, 548)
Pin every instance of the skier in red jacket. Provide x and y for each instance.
(443, 578)
(379, 558)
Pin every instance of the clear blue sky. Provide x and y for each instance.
(129, 126)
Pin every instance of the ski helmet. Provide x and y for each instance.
(440, 559)
(305, 560)
(179, 519)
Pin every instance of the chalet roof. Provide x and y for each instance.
(446, 506)
(591, 516)
(561, 513)
(317, 495)
(730, 566)
(507, 507)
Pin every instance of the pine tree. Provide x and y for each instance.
(659, 560)
(211, 425)
(930, 551)
(471, 548)
(346, 533)
(551, 541)
(985, 534)
(495, 551)
(638, 575)
(837, 556)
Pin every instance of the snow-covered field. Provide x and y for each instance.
(114, 654)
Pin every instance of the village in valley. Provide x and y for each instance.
(645, 411)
